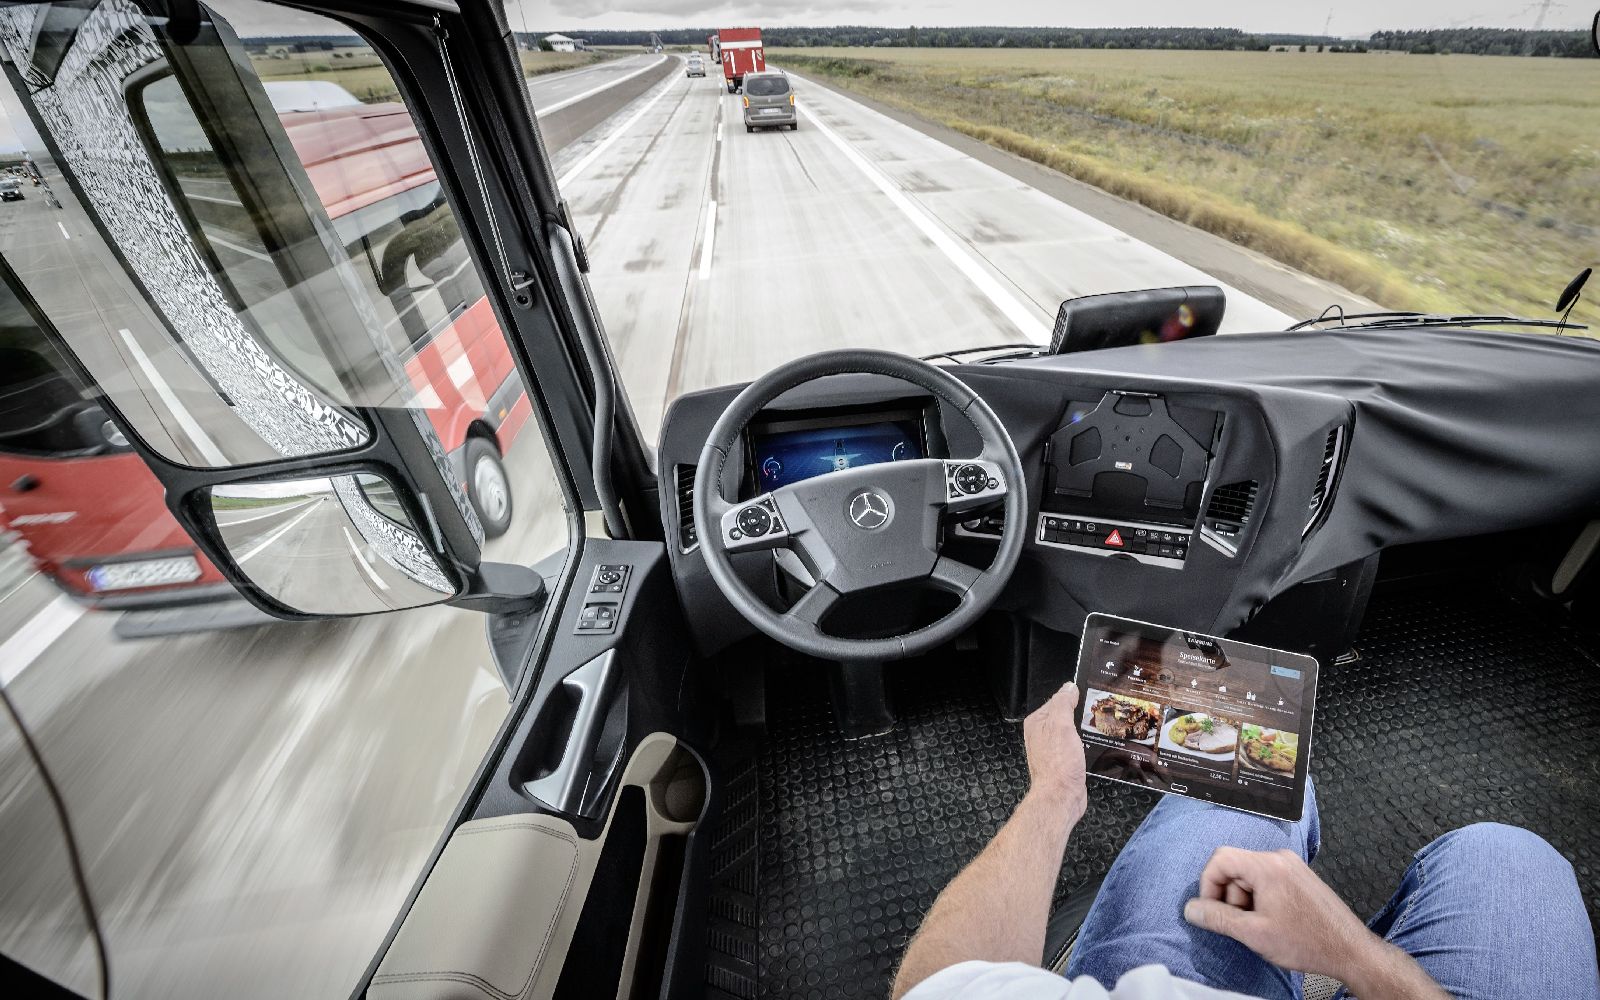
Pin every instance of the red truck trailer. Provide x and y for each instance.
(741, 53)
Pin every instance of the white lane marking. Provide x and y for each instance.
(711, 235)
(361, 560)
(36, 635)
(64, 234)
(213, 199)
(276, 512)
(237, 248)
(1025, 318)
(719, 131)
(256, 549)
(186, 421)
(604, 144)
(570, 101)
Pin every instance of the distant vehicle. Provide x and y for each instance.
(696, 66)
(10, 189)
(769, 102)
(742, 54)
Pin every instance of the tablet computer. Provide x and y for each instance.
(1196, 715)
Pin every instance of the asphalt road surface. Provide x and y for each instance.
(718, 253)
(254, 803)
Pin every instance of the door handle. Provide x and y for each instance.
(573, 786)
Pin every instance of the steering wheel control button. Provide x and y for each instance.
(610, 579)
(754, 521)
(973, 479)
(870, 510)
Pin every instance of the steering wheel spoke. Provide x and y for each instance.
(973, 483)
(954, 575)
(811, 608)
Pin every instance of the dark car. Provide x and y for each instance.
(10, 189)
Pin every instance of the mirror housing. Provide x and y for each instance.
(1148, 316)
(350, 542)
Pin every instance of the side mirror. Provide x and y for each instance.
(330, 545)
(354, 543)
(1149, 316)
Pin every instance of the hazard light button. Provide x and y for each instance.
(1114, 540)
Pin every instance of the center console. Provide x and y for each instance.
(1124, 475)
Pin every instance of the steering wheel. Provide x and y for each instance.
(863, 528)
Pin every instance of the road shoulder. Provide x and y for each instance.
(1253, 273)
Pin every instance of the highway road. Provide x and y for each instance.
(719, 253)
(254, 803)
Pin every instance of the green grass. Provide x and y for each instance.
(362, 73)
(246, 503)
(1432, 182)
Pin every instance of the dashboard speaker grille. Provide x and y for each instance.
(1230, 507)
(687, 537)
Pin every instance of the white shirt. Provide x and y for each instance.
(1016, 981)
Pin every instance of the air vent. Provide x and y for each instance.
(687, 538)
(1230, 507)
(1327, 475)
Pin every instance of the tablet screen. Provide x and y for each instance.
(1196, 715)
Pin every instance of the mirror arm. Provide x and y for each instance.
(502, 589)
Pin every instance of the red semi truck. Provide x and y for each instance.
(739, 50)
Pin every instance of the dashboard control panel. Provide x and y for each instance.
(1153, 544)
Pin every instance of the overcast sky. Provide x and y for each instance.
(1350, 17)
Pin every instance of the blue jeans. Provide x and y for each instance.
(1490, 911)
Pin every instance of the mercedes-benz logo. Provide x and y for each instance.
(869, 510)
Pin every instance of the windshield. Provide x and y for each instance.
(946, 186)
(766, 86)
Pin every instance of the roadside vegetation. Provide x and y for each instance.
(1433, 182)
(359, 70)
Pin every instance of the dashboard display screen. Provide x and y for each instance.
(790, 451)
(1213, 719)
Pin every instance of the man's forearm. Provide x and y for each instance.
(997, 908)
(1384, 972)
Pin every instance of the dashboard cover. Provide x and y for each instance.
(1438, 433)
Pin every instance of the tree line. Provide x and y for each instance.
(1487, 42)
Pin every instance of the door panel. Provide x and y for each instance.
(501, 912)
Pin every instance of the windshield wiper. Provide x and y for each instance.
(1377, 320)
(1014, 351)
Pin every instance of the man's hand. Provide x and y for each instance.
(1275, 905)
(1055, 751)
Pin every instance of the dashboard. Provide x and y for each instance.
(1194, 483)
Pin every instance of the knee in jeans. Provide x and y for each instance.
(1505, 845)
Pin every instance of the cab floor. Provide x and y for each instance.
(1465, 707)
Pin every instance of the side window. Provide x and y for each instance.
(241, 244)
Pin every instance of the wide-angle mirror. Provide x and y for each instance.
(338, 545)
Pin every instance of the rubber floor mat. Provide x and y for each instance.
(1462, 709)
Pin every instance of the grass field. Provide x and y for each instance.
(1432, 182)
(362, 73)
